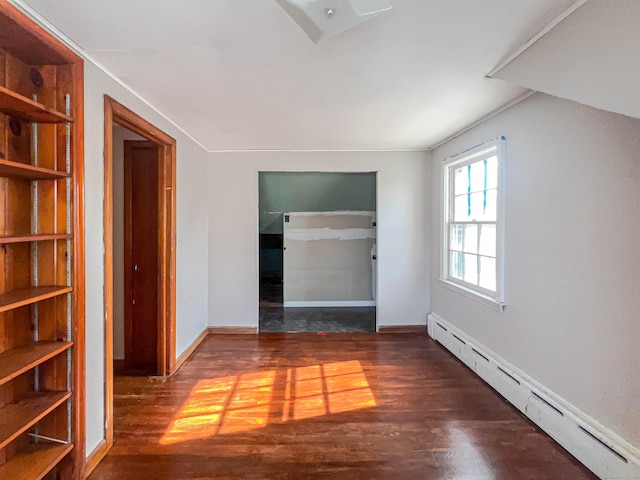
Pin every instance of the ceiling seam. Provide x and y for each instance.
(535, 38)
(294, 150)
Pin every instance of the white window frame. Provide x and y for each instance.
(484, 150)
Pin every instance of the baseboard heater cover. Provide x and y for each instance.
(602, 451)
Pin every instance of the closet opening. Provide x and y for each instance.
(318, 252)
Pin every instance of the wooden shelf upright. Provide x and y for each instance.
(41, 255)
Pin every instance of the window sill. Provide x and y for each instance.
(478, 297)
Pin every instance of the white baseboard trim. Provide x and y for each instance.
(602, 451)
(330, 303)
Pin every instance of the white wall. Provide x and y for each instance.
(572, 256)
(120, 134)
(328, 257)
(403, 242)
(191, 229)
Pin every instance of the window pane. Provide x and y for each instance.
(488, 240)
(492, 173)
(488, 273)
(491, 214)
(456, 237)
(456, 266)
(461, 208)
(464, 238)
(461, 180)
(477, 205)
(478, 176)
(470, 269)
(470, 244)
(484, 206)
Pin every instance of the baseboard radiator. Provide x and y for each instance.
(605, 453)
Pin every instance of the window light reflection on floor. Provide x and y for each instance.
(249, 401)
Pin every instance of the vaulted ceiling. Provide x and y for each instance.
(592, 56)
(241, 75)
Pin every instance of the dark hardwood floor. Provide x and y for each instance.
(340, 406)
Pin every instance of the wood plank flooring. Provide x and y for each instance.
(335, 406)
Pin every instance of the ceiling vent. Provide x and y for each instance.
(322, 19)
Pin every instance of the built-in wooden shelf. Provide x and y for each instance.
(24, 108)
(36, 237)
(21, 359)
(34, 462)
(16, 418)
(26, 296)
(41, 137)
(29, 172)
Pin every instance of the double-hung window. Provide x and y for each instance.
(473, 226)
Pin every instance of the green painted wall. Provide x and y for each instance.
(312, 192)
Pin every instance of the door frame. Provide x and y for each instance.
(115, 112)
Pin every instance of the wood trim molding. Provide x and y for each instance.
(108, 272)
(232, 330)
(192, 348)
(115, 112)
(410, 329)
(55, 45)
(95, 458)
(79, 280)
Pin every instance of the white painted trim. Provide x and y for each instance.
(473, 295)
(332, 150)
(331, 303)
(57, 33)
(470, 155)
(356, 213)
(536, 37)
(309, 234)
(602, 451)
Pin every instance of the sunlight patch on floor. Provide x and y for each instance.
(241, 403)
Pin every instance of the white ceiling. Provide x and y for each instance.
(591, 57)
(241, 75)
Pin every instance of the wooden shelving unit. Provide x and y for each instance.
(34, 461)
(19, 416)
(21, 359)
(35, 237)
(29, 172)
(26, 296)
(41, 258)
(28, 110)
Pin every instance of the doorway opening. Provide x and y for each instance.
(140, 241)
(317, 251)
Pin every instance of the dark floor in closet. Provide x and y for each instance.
(275, 318)
(322, 319)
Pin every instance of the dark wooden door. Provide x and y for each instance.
(141, 256)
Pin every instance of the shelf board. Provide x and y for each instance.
(28, 110)
(34, 462)
(26, 296)
(21, 359)
(38, 237)
(29, 172)
(16, 418)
